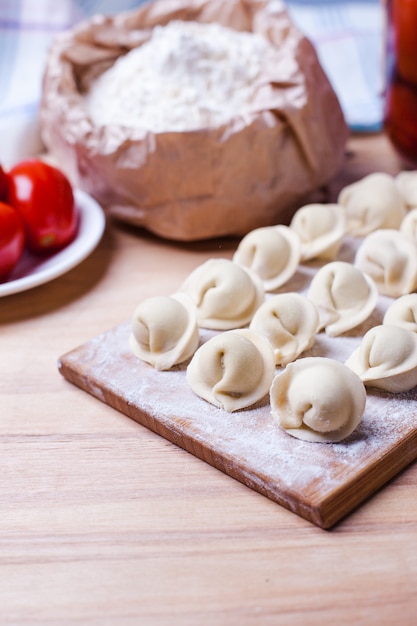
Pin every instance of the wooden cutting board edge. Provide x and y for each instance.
(344, 500)
(324, 513)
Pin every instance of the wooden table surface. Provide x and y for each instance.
(103, 522)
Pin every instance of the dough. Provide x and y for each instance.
(164, 330)
(318, 399)
(233, 369)
(320, 228)
(226, 295)
(272, 252)
(290, 322)
(386, 358)
(390, 258)
(409, 225)
(372, 203)
(407, 184)
(344, 296)
(403, 312)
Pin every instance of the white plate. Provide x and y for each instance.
(32, 270)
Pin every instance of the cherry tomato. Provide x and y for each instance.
(12, 239)
(44, 198)
(3, 185)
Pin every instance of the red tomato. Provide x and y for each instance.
(3, 185)
(400, 116)
(403, 15)
(44, 198)
(12, 239)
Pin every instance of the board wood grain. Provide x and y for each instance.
(320, 482)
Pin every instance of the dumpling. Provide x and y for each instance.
(290, 322)
(409, 225)
(164, 330)
(271, 252)
(344, 296)
(318, 399)
(321, 229)
(232, 370)
(386, 358)
(407, 184)
(390, 258)
(372, 203)
(225, 294)
(403, 312)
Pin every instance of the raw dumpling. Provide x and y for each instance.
(290, 322)
(403, 312)
(165, 331)
(407, 184)
(318, 399)
(272, 252)
(409, 225)
(372, 203)
(344, 296)
(390, 258)
(232, 370)
(386, 358)
(225, 294)
(320, 228)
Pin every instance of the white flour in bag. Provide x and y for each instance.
(188, 75)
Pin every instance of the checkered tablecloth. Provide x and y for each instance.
(26, 29)
(347, 36)
(349, 39)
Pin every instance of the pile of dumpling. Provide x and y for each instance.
(261, 333)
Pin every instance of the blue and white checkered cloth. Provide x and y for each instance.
(26, 30)
(349, 38)
(346, 34)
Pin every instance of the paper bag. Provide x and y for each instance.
(247, 173)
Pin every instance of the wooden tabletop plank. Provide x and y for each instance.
(104, 522)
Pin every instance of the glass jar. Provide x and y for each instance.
(400, 112)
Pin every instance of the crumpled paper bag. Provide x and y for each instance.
(193, 185)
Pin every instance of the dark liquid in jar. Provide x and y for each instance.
(401, 87)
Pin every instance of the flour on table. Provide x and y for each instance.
(188, 75)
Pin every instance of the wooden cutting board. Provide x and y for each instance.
(320, 482)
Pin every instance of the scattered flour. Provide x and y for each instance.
(248, 444)
(188, 75)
